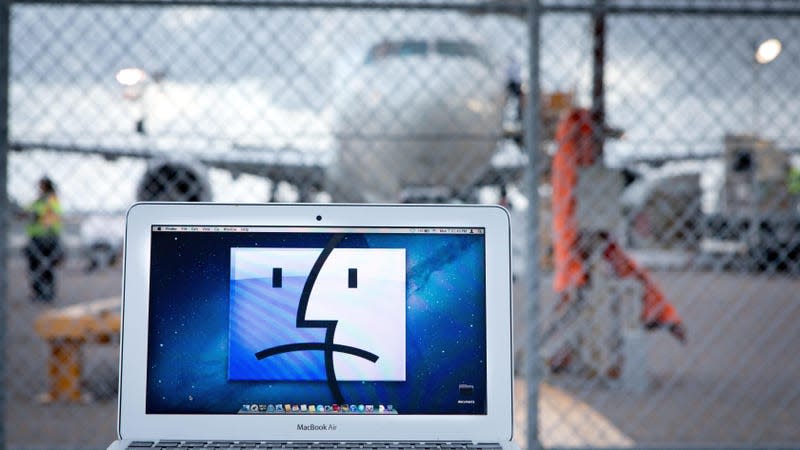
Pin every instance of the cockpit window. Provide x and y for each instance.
(461, 49)
(446, 48)
(409, 48)
(396, 49)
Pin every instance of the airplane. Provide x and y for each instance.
(421, 117)
(421, 121)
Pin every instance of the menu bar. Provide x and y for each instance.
(265, 229)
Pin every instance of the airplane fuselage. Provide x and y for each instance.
(417, 120)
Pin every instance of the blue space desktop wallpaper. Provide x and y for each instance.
(190, 326)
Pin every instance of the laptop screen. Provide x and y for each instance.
(316, 320)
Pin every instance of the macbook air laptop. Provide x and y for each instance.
(331, 326)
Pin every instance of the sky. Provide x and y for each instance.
(277, 77)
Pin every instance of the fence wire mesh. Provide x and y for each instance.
(668, 196)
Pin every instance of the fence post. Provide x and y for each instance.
(5, 63)
(598, 72)
(532, 139)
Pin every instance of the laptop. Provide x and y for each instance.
(316, 325)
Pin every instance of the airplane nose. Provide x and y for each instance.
(440, 133)
(458, 137)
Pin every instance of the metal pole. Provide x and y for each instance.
(514, 7)
(729, 9)
(598, 73)
(5, 63)
(532, 140)
(754, 226)
(756, 96)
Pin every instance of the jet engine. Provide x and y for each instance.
(174, 181)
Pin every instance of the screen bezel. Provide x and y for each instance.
(134, 423)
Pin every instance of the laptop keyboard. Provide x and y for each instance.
(169, 445)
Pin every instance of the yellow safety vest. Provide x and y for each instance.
(794, 181)
(46, 217)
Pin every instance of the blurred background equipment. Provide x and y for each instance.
(693, 107)
(758, 218)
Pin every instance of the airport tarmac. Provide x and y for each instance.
(735, 382)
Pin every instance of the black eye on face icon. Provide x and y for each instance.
(352, 277)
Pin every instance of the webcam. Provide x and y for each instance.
(319, 218)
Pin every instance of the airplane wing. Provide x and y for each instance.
(635, 153)
(661, 160)
(287, 164)
(658, 160)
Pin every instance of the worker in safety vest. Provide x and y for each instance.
(44, 250)
(578, 148)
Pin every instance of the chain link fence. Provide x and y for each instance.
(666, 177)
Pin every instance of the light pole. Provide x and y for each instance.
(134, 82)
(765, 52)
(131, 76)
